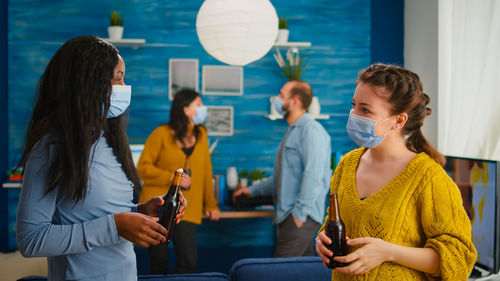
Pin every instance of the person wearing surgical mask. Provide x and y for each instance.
(403, 214)
(182, 143)
(301, 174)
(75, 206)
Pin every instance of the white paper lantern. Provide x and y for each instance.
(237, 32)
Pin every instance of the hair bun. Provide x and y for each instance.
(427, 99)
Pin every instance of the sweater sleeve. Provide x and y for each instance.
(447, 227)
(37, 235)
(210, 203)
(334, 186)
(149, 172)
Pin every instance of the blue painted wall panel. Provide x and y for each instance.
(338, 30)
(339, 33)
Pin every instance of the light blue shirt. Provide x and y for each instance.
(80, 240)
(305, 173)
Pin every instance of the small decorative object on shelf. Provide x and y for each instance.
(292, 65)
(243, 175)
(15, 178)
(115, 30)
(283, 31)
(231, 178)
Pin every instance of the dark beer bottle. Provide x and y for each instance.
(171, 205)
(335, 230)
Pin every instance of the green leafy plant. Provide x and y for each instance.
(116, 20)
(292, 65)
(282, 24)
(243, 174)
(256, 175)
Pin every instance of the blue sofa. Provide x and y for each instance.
(273, 269)
(255, 269)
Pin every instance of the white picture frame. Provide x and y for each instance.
(220, 120)
(182, 74)
(222, 80)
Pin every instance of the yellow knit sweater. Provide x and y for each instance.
(162, 156)
(421, 207)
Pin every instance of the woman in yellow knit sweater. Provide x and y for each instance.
(403, 214)
(183, 143)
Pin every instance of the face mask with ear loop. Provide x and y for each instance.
(201, 115)
(361, 131)
(119, 100)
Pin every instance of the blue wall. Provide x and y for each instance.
(4, 202)
(340, 32)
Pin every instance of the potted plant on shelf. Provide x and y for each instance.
(293, 66)
(243, 175)
(283, 31)
(115, 30)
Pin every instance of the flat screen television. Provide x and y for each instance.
(478, 181)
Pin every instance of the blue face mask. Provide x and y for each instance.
(361, 130)
(119, 100)
(278, 105)
(201, 115)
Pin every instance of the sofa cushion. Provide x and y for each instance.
(275, 269)
(209, 276)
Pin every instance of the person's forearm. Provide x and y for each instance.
(422, 259)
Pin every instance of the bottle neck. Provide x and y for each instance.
(334, 208)
(176, 182)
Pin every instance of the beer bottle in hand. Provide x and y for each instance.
(171, 205)
(335, 230)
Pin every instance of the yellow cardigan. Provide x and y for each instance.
(162, 156)
(421, 207)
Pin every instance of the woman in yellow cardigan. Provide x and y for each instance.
(183, 143)
(402, 212)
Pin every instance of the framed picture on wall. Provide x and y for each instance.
(222, 80)
(220, 120)
(182, 74)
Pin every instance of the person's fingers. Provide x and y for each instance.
(156, 226)
(323, 257)
(159, 201)
(325, 251)
(350, 269)
(153, 233)
(348, 258)
(325, 239)
(358, 241)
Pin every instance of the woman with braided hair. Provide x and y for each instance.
(403, 215)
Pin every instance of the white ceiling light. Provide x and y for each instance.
(237, 32)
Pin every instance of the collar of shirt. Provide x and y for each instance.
(302, 120)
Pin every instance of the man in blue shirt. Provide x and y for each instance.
(301, 175)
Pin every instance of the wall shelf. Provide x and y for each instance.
(319, 117)
(131, 43)
(11, 185)
(300, 45)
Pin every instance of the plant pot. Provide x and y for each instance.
(282, 36)
(115, 32)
